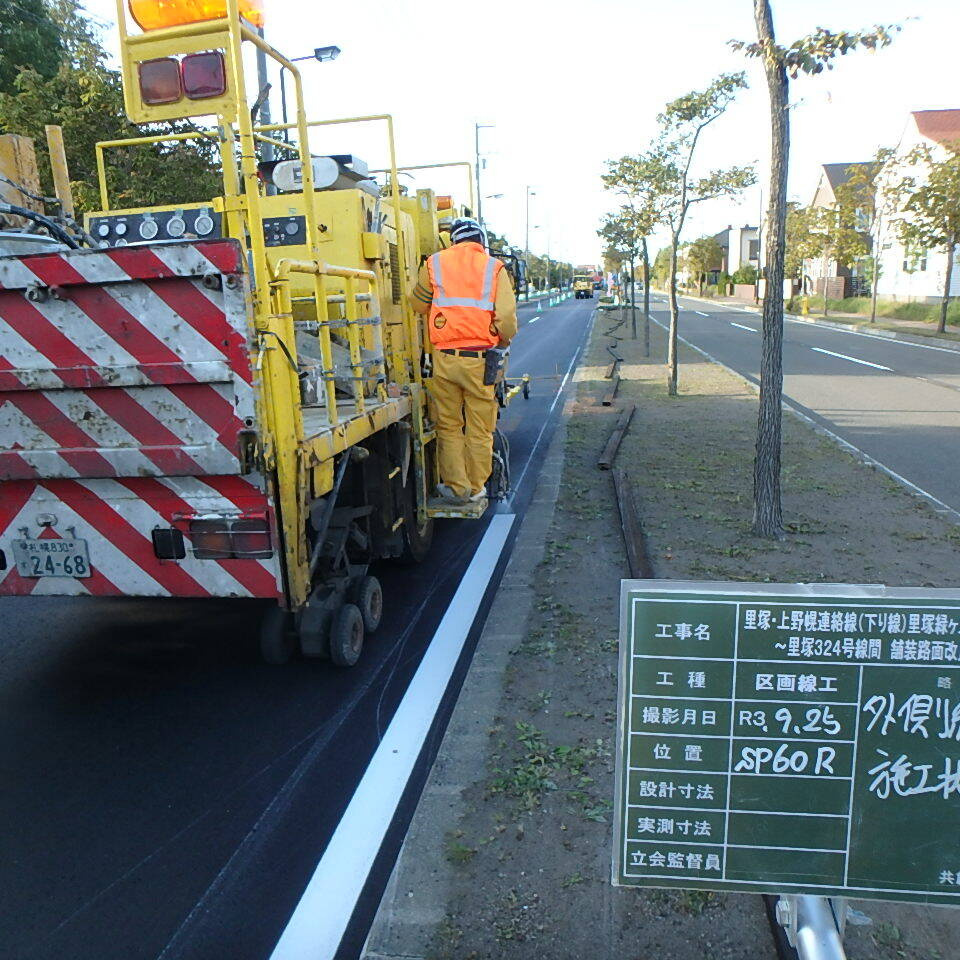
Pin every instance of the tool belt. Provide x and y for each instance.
(467, 352)
(495, 358)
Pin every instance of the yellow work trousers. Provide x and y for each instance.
(466, 414)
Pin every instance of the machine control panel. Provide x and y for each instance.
(152, 226)
(285, 231)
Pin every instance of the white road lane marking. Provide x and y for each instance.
(701, 313)
(843, 356)
(534, 319)
(742, 327)
(317, 925)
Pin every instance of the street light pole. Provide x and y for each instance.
(526, 247)
(476, 145)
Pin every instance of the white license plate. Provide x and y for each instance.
(52, 558)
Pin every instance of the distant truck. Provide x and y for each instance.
(583, 286)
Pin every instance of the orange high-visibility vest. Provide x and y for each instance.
(464, 279)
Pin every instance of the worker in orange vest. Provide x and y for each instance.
(472, 307)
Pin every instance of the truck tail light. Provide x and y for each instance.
(251, 539)
(160, 81)
(204, 75)
(211, 539)
(240, 539)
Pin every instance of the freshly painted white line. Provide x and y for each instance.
(742, 327)
(533, 319)
(317, 925)
(701, 313)
(843, 356)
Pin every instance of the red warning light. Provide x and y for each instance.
(204, 75)
(160, 81)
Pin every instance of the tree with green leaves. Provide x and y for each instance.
(702, 256)
(85, 97)
(800, 242)
(624, 178)
(810, 54)
(836, 229)
(873, 199)
(28, 39)
(930, 214)
(665, 172)
(625, 233)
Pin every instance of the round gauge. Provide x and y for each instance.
(203, 225)
(291, 227)
(148, 229)
(120, 229)
(176, 227)
(103, 230)
(104, 243)
(120, 243)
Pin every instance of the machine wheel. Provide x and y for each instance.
(277, 640)
(346, 635)
(417, 538)
(368, 598)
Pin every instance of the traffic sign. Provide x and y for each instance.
(789, 738)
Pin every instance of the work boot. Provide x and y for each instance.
(478, 496)
(447, 494)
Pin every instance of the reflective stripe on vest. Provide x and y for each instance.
(440, 298)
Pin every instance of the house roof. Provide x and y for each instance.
(943, 126)
(839, 173)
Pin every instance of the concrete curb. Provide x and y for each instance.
(866, 329)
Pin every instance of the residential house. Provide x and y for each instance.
(741, 247)
(842, 280)
(916, 274)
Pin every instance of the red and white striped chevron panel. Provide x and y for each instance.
(125, 381)
(124, 362)
(115, 518)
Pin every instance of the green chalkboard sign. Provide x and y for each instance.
(789, 738)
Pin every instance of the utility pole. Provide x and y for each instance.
(526, 248)
(476, 146)
(264, 84)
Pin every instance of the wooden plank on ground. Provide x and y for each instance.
(613, 443)
(611, 394)
(637, 559)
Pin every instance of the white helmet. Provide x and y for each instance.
(466, 228)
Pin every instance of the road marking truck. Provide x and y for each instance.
(228, 398)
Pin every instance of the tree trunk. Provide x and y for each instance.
(767, 510)
(945, 302)
(674, 315)
(876, 274)
(826, 266)
(646, 299)
(633, 299)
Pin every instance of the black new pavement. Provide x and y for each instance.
(165, 795)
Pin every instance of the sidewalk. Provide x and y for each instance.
(509, 854)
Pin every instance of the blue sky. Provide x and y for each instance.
(568, 85)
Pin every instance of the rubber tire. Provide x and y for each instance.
(416, 540)
(369, 600)
(278, 643)
(346, 635)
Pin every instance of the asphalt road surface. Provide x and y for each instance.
(896, 401)
(165, 795)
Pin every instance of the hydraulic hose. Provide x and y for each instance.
(55, 231)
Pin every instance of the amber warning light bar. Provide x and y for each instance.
(157, 14)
